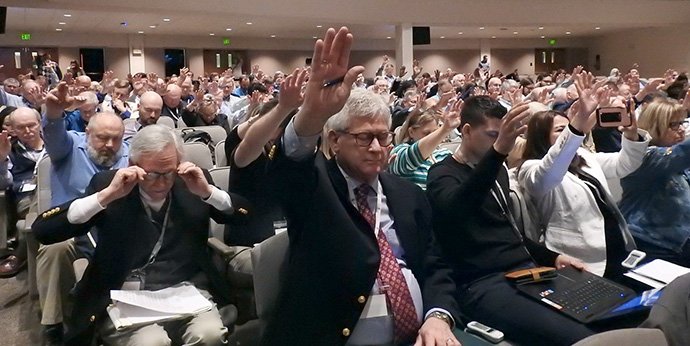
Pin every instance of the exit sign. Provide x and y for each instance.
(226, 41)
(552, 42)
(25, 37)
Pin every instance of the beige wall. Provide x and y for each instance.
(508, 60)
(117, 60)
(275, 60)
(459, 60)
(155, 61)
(655, 50)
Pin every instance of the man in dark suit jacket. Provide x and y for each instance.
(155, 199)
(342, 258)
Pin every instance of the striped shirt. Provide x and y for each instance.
(409, 163)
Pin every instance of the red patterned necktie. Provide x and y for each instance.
(391, 277)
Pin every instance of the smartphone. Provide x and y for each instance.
(613, 117)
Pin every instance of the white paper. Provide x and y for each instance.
(124, 315)
(184, 299)
(661, 270)
(645, 280)
(376, 307)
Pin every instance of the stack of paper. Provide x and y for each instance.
(134, 308)
(657, 273)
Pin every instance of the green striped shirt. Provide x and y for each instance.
(409, 163)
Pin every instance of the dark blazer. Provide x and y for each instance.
(334, 255)
(167, 112)
(125, 235)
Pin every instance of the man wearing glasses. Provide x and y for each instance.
(364, 268)
(152, 219)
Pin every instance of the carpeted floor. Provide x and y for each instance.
(19, 314)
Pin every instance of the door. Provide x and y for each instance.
(93, 63)
(548, 60)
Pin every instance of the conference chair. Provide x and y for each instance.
(452, 146)
(198, 154)
(166, 121)
(217, 132)
(268, 260)
(219, 153)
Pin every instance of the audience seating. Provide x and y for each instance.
(452, 146)
(198, 154)
(219, 153)
(268, 259)
(217, 132)
(166, 121)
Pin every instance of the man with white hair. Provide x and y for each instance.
(75, 158)
(493, 87)
(172, 102)
(30, 95)
(158, 203)
(361, 235)
(508, 88)
(149, 112)
(459, 81)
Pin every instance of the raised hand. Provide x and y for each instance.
(5, 145)
(588, 91)
(403, 71)
(451, 115)
(152, 79)
(291, 95)
(255, 69)
(123, 182)
(512, 126)
(195, 180)
(58, 100)
(416, 69)
(385, 60)
(630, 132)
(669, 77)
(324, 95)
(437, 75)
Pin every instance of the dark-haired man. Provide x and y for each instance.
(477, 237)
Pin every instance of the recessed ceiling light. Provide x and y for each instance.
(249, 23)
(228, 29)
(597, 28)
(67, 15)
(166, 19)
(493, 36)
(140, 31)
(481, 28)
(541, 28)
(58, 29)
(443, 37)
(152, 26)
(62, 23)
(212, 34)
(273, 35)
(567, 32)
(460, 33)
(314, 37)
(515, 32)
(319, 26)
(388, 37)
(542, 36)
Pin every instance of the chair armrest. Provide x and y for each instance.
(220, 248)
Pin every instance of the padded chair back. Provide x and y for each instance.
(452, 146)
(166, 121)
(217, 132)
(268, 261)
(221, 178)
(628, 337)
(43, 184)
(221, 160)
(522, 212)
(198, 154)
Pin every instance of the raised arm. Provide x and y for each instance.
(58, 142)
(259, 133)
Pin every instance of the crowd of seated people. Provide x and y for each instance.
(406, 202)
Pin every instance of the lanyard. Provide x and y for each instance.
(159, 243)
(379, 198)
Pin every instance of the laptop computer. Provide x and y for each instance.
(580, 295)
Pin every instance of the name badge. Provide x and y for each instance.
(376, 307)
(133, 282)
(27, 187)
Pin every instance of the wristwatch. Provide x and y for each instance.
(442, 316)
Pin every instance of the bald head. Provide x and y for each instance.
(82, 83)
(150, 107)
(26, 125)
(106, 120)
(172, 96)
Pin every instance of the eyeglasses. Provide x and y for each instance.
(364, 139)
(150, 176)
(675, 125)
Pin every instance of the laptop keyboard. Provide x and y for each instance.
(585, 297)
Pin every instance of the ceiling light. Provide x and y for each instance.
(228, 29)
(542, 36)
(249, 23)
(58, 29)
(481, 28)
(314, 37)
(388, 37)
(567, 32)
(541, 28)
(515, 32)
(319, 26)
(152, 26)
(166, 19)
(212, 34)
(460, 33)
(140, 31)
(597, 28)
(443, 37)
(62, 23)
(67, 15)
(273, 35)
(493, 36)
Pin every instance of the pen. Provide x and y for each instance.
(334, 82)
